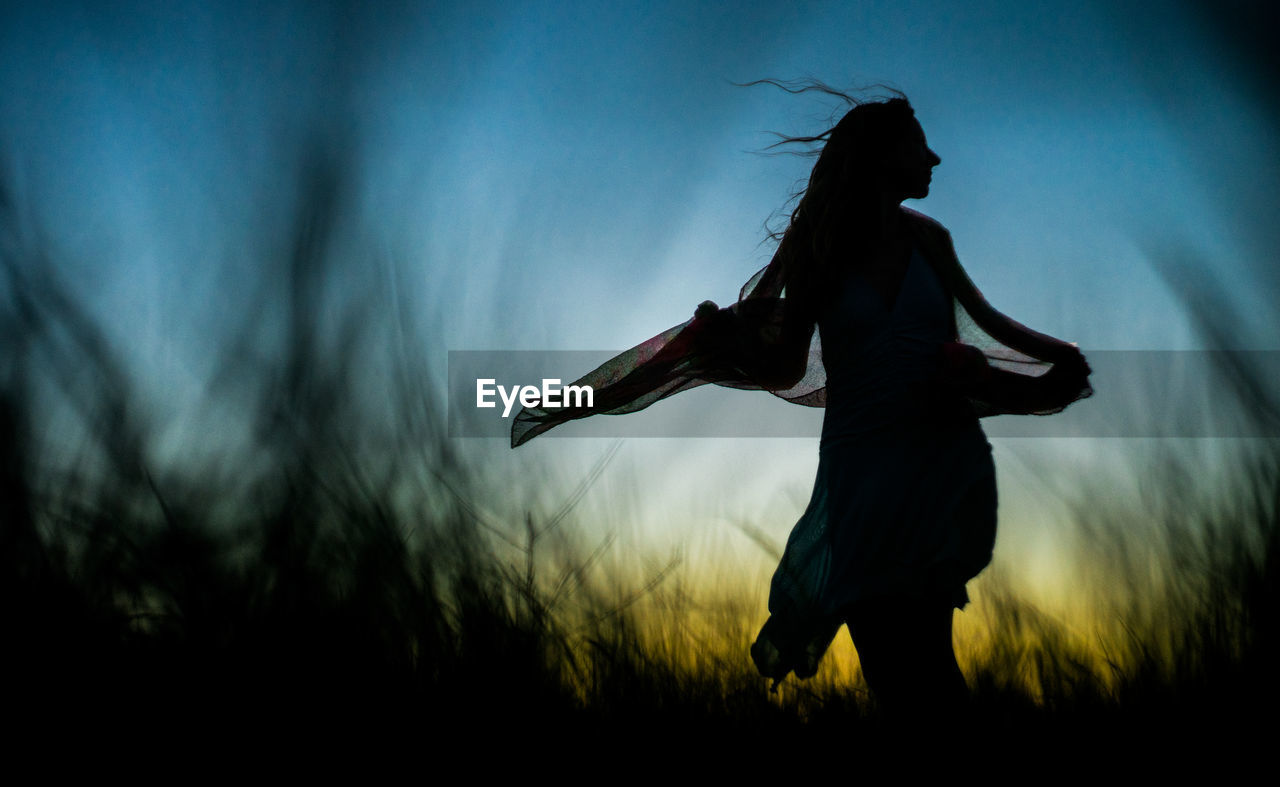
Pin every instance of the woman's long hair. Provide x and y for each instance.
(836, 213)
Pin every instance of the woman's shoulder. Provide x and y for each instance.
(929, 236)
(922, 223)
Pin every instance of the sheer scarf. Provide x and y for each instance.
(762, 343)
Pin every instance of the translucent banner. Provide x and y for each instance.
(1137, 393)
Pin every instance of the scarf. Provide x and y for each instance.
(759, 343)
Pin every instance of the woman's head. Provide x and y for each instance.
(876, 154)
(877, 150)
(880, 147)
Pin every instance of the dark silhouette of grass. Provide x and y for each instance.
(329, 573)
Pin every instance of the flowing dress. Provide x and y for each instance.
(897, 457)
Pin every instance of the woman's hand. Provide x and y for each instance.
(713, 329)
(751, 338)
(1068, 376)
(964, 368)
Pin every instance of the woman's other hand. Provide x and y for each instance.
(706, 309)
(1069, 372)
(751, 338)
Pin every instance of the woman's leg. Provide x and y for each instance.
(904, 646)
(904, 642)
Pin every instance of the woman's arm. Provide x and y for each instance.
(766, 339)
(966, 369)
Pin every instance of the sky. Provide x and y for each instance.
(580, 175)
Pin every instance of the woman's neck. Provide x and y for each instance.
(890, 217)
(888, 228)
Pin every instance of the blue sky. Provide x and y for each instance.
(581, 175)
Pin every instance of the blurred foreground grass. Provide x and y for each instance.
(328, 571)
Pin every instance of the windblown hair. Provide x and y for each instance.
(767, 340)
(835, 213)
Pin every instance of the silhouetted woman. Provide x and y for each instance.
(865, 310)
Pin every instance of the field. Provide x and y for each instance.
(327, 572)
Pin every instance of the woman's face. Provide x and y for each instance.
(909, 167)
